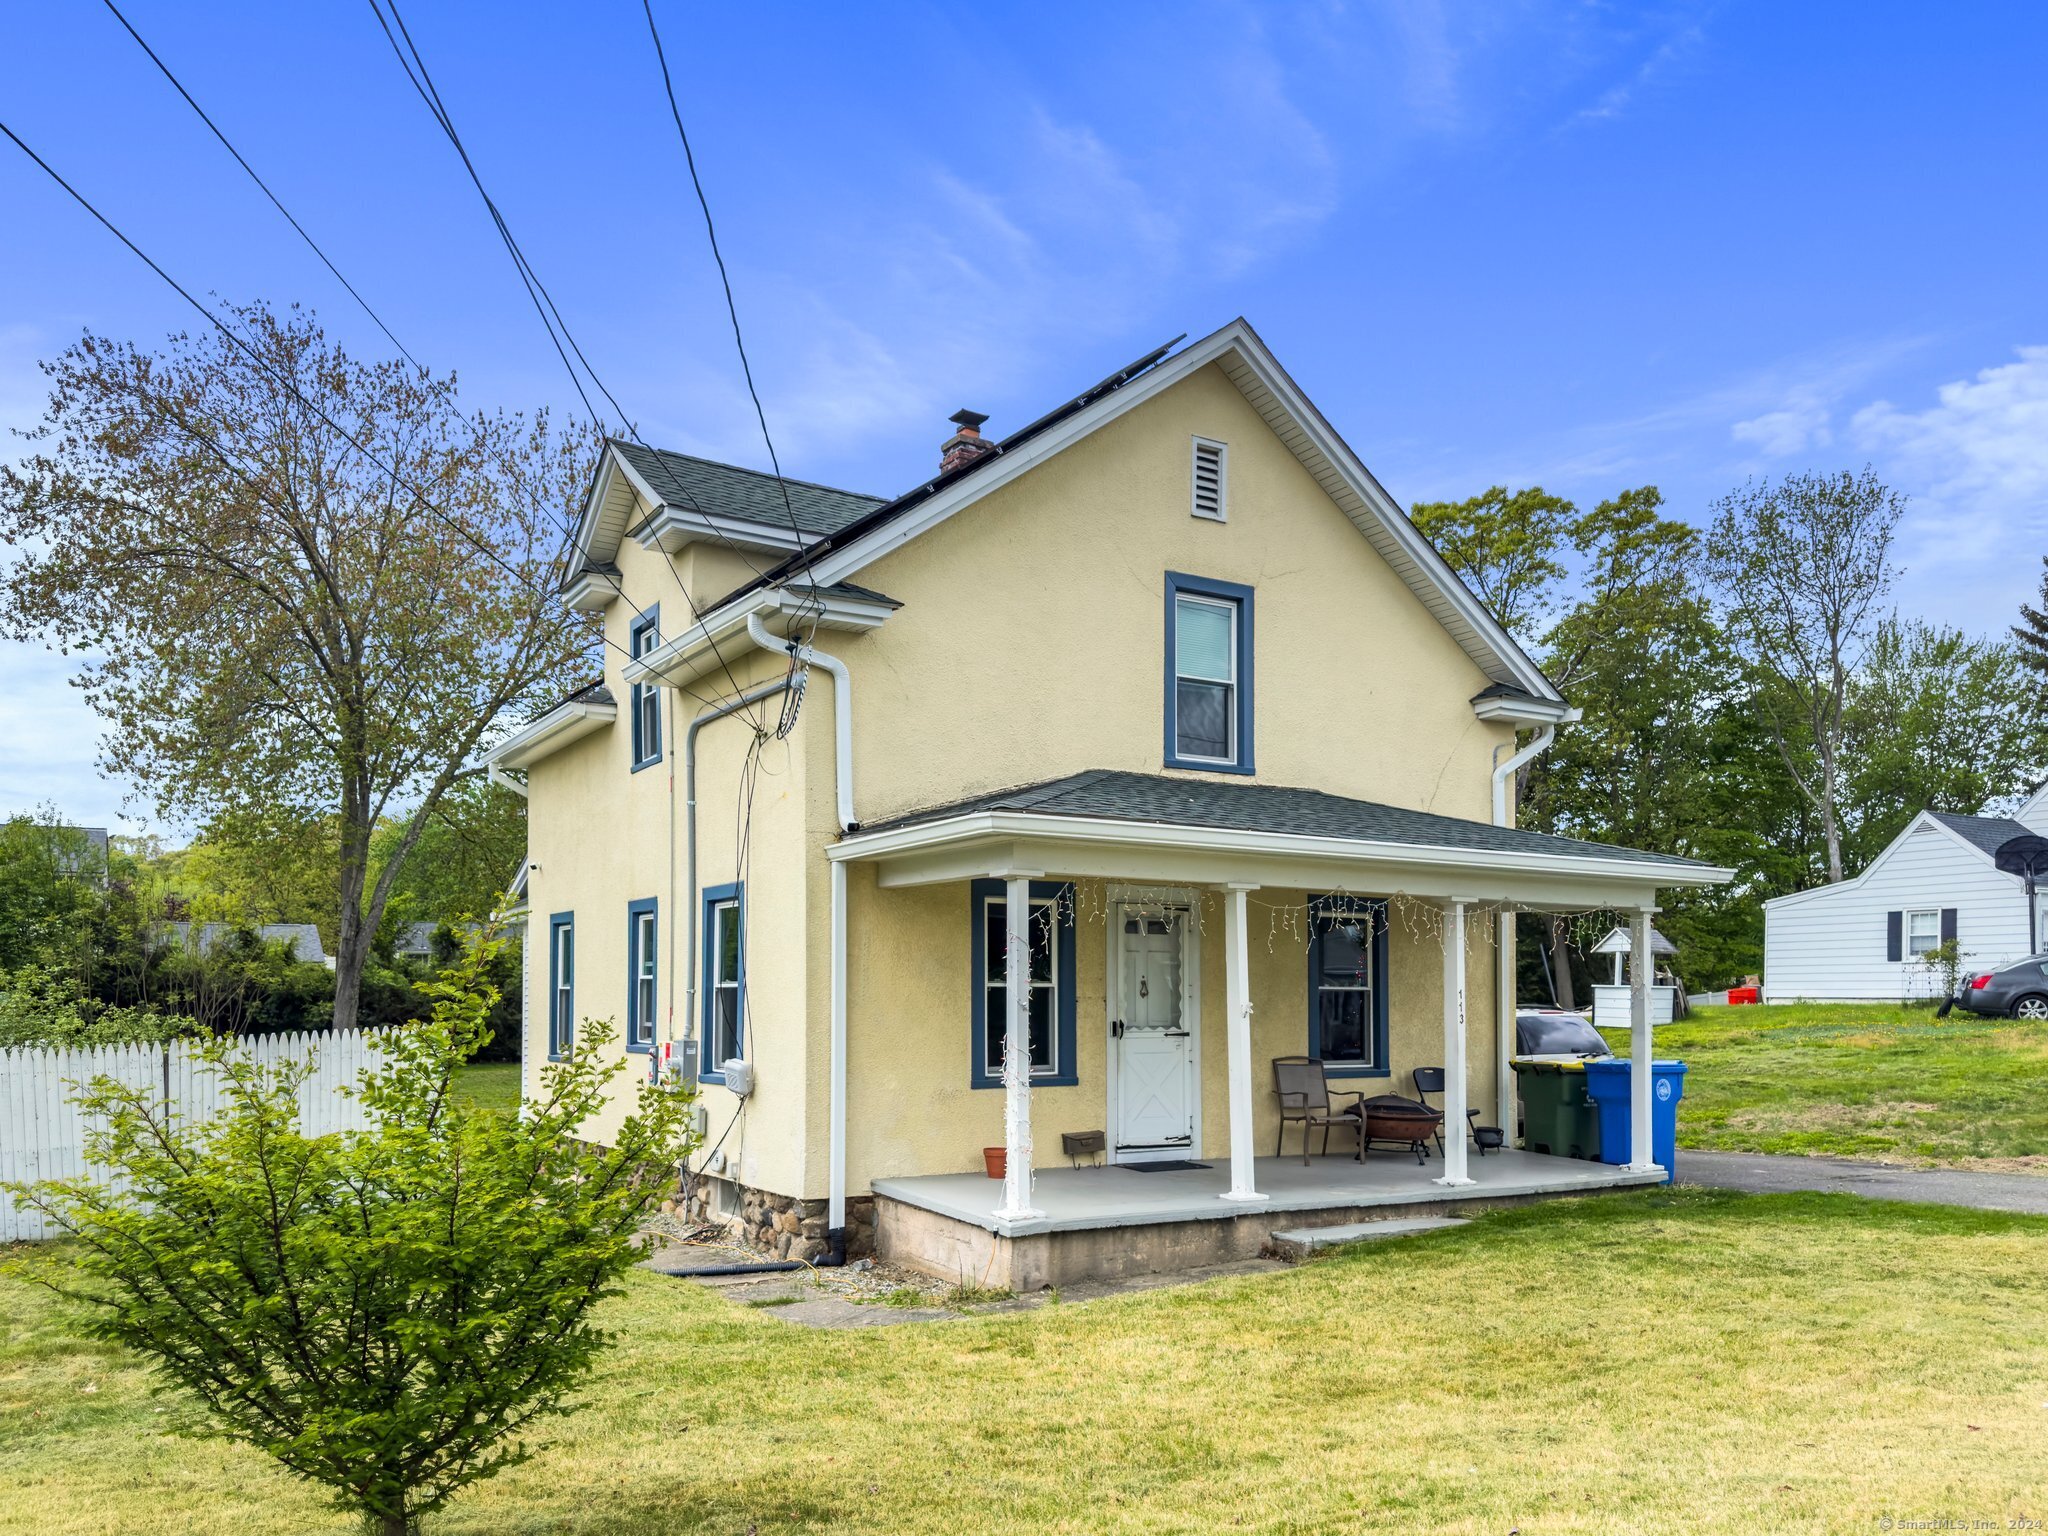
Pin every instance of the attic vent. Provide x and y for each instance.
(1209, 462)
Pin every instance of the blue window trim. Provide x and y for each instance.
(1061, 895)
(556, 924)
(1178, 582)
(634, 909)
(1319, 908)
(642, 757)
(714, 896)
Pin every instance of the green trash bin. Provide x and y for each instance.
(1557, 1116)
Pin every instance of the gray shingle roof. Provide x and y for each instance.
(726, 490)
(1986, 832)
(1149, 797)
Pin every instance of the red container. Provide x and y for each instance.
(1744, 995)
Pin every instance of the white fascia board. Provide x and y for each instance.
(588, 592)
(722, 634)
(1237, 338)
(1856, 882)
(671, 527)
(551, 732)
(997, 825)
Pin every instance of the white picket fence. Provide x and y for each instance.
(42, 1132)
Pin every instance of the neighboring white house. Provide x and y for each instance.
(1864, 940)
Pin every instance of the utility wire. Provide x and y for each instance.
(725, 279)
(415, 67)
(178, 85)
(313, 244)
(398, 478)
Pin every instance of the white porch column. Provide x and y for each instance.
(1238, 1028)
(1016, 1204)
(1505, 988)
(1640, 965)
(1454, 1042)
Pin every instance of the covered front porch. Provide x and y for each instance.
(1214, 857)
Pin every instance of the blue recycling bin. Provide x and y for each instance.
(1607, 1087)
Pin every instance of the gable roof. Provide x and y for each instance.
(1985, 833)
(727, 490)
(1116, 795)
(849, 532)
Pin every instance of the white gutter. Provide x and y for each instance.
(1505, 983)
(842, 743)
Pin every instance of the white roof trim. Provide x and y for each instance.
(552, 732)
(1265, 384)
(973, 825)
(673, 527)
(1526, 711)
(722, 634)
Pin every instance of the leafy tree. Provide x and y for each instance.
(311, 585)
(1936, 720)
(1506, 546)
(2031, 633)
(472, 847)
(41, 1006)
(1803, 567)
(386, 1312)
(50, 879)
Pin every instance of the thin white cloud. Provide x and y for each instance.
(1802, 422)
(1976, 464)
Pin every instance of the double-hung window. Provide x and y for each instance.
(642, 962)
(1208, 674)
(1923, 932)
(644, 637)
(725, 981)
(561, 984)
(1347, 985)
(1049, 1009)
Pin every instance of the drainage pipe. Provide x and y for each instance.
(1504, 985)
(842, 764)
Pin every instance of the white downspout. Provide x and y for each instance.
(504, 780)
(842, 745)
(1504, 946)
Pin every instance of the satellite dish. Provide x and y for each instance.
(2025, 856)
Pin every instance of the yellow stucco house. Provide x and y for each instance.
(1164, 680)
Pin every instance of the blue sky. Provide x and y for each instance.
(1581, 245)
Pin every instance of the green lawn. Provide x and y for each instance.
(1668, 1360)
(493, 1084)
(1862, 1081)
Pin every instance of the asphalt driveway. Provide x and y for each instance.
(1762, 1173)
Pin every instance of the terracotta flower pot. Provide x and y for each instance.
(996, 1160)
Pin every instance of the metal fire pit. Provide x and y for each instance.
(1404, 1122)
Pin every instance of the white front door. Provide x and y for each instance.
(1150, 1039)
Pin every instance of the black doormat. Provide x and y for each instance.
(1168, 1165)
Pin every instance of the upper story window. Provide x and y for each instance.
(645, 636)
(561, 984)
(1208, 674)
(642, 956)
(1211, 486)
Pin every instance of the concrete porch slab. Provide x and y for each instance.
(1109, 1223)
(1303, 1241)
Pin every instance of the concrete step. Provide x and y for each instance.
(1299, 1242)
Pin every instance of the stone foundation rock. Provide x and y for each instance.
(782, 1226)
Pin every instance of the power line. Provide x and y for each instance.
(422, 81)
(260, 182)
(731, 308)
(190, 101)
(398, 478)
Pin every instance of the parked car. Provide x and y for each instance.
(2020, 991)
(1554, 1032)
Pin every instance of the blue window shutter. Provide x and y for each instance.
(1948, 925)
(1894, 935)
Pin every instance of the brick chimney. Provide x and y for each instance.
(965, 445)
